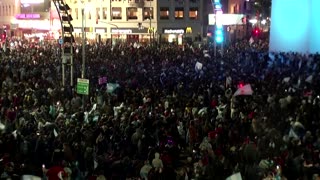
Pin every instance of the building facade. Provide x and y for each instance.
(29, 19)
(181, 20)
(8, 9)
(175, 21)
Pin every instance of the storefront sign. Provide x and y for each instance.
(173, 31)
(121, 31)
(77, 30)
(128, 30)
(28, 16)
(101, 30)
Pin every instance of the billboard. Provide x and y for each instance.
(227, 19)
(292, 31)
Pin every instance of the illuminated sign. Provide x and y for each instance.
(173, 31)
(101, 30)
(128, 30)
(28, 16)
(226, 19)
(121, 31)
(31, 1)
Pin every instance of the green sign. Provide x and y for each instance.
(83, 86)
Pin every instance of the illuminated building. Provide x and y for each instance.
(124, 20)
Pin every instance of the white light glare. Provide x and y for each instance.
(253, 21)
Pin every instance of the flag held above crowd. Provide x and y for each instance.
(244, 90)
(111, 87)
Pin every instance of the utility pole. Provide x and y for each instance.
(83, 46)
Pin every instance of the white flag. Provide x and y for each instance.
(286, 79)
(309, 79)
(2, 126)
(236, 176)
(251, 41)
(207, 55)
(14, 133)
(198, 66)
(30, 177)
(95, 164)
(55, 133)
(244, 90)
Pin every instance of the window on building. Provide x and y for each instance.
(98, 13)
(132, 13)
(116, 13)
(164, 13)
(178, 13)
(147, 13)
(104, 13)
(9, 11)
(193, 13)
(77, 13)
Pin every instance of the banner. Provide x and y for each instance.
(102, 80)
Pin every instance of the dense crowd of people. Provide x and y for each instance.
(164, 112)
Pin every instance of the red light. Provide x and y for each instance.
(257, 31)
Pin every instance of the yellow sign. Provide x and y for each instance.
(188, 30)
(150, 29)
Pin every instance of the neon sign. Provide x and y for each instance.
(121, 31)
(28, 16)
(173, 31)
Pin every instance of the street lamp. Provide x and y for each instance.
(83, 45)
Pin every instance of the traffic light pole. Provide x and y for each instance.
(62, 49)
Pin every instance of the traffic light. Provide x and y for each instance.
(219, 24)
(219, 29)
(256, 31)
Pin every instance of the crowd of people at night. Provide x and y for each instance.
(160, 112)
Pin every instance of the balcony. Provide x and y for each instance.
(136, 3)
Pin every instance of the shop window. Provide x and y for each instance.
(193, 13)
(98, 13)
(104, 13)
(178, 13)
(147, 13)
(132, 13)
(164, 13)
(116, 13)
